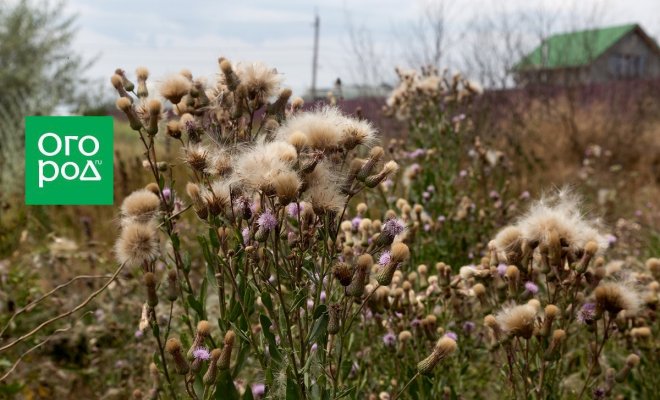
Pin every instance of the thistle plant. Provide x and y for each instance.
(455, 185)
(270, 185)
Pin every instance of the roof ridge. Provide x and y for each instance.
(630, 25)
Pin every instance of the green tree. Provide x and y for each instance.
(39, 70)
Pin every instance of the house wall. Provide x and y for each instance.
(630, 58)
(623, 60)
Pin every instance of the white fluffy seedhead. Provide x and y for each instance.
(560, 212)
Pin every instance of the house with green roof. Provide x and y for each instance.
(591, 56)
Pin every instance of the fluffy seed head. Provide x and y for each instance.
(287, 184)
(137, 244)
(614, 297)
(175, 87)
(560, 213)
(140, 205)
(517, 320)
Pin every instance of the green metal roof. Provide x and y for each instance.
(574, 49)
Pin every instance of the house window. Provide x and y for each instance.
(626, 66)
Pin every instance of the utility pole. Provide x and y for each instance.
(315, 60)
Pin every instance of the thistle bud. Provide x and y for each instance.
(173, 347)
(374, 156)
(150, 283)
(225, 358)
(398, 254)
(342, 273)
(333, 318)
(174, 129)
(127, 84)
(231, 79)
(118, 83)
(124, 104)
(551, 312)
(154, 107)
(554, 249)
(388, 169)
(356, 287)
(172, 289)
(142, 75)
(445, 347)
(558, 337)
(203, 331)
(631, 362)
(590, 250)
(212, 373)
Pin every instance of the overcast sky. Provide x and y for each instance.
(168, 35)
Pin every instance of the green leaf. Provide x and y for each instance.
(215, 240)
(346, 392)
(320, 327)
(248, 394)
(273, 350)
(292, 390)
(301, 296)
(267, 302)
(225, 389)
(196, 305)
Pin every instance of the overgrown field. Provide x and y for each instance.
(260, 247)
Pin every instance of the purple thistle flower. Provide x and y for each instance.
(355, 223)
(611, 239)
(463, 173)
(314, 347)
(201, 353)
(267, 221)
(493, 194)
(524, 195)
(323, 296)
(587, 313)
(441, 218)
(469, 327)
(452, 335)
(389, 339)
(501, 269)
(599, 393)
(531, 287)
(393, 227)
(258, 390)
(385, 258)
(167, 192)
(294, 209)
(139, 334)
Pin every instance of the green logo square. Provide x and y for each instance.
(68, 161)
